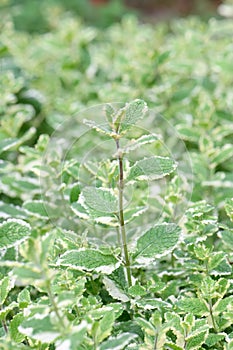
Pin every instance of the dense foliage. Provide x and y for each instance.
(71, 278)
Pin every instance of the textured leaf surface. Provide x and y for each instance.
(194, 306)
(134, 111)
(12, 232)
(100, 199)
(158, 240)
(152, 168)
(87, 259)
(143, 140)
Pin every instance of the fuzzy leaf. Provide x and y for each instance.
(143, 140)
(101, 128)
(158, 240)
(118, 343)
(195, 340)
(13, 232)
(134, 111)
(213, 339)
(100, 199)
(222, 154)
(193, 306)
(151, 168)
(227, 237)
(88, 260)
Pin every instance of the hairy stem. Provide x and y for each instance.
(121, 215)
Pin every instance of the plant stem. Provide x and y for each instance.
(121, 215)
(55, 308)
(4, 325)
(212, 316)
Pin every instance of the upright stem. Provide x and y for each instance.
(121, 215)
(55, 307)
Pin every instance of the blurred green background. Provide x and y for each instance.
(37, 16)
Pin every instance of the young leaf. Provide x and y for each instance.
(158, 241)
(151, 168)
(134, 111)
(101, 128)
(89, 260)
(143, 140)
(109, 112)
(13, 232)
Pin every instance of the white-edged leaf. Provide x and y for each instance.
(6, 284)
(151, 168)
(133, 112)
(114, 290)
(117, 343)
(193, 306)
(143, 140)
(89, 260)
(40, 327)
(101, 128)
(157, 241)
(11, 211)
(36, 208)
(102, 200)
(16, 336)
(13, 232)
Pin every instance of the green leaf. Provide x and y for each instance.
(89, 260)
(158, 241)
(13, 232)
(39, 327)
(101, 128)
(105, 326)
(143, 140)
(7, 144)
(223, 154)
(13, 211)
(227, 237)
(213, 339)
(109, 112)
(75, 338)
(195, 340)
(24, 298)
(193, 306)
(115, 290)
(5, 311)
(137, 290)
(229, 208)
(100, 199)
(188, 133)
(5, 286)
(16, 336)
(151, 168)
(118, 343)
(223, 305)
(134, 111)
(36, 208)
